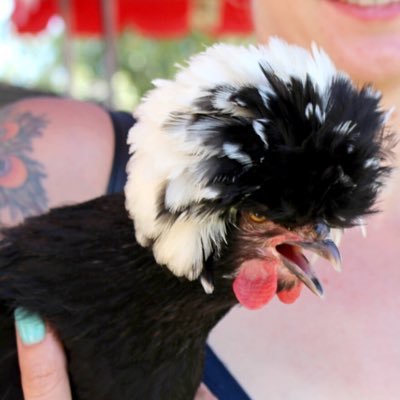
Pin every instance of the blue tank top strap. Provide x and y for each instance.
(122, 121)
(219, 380)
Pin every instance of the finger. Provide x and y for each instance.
(41, 359)
(204, 394)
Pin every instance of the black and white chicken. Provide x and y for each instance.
(247, 158)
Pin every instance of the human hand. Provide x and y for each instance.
(41, 359)
(204, 394)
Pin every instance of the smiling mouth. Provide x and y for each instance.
(369, 10)
(368, 3)
(292, 257)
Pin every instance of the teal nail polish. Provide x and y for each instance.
(30, 326)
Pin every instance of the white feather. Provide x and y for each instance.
(388, 115)
(309, 111)
(167, 160)
(207, 286)
(259, 130)
(363, 227)
(233, 152)
(345, 128)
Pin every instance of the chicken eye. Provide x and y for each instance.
(258, 218)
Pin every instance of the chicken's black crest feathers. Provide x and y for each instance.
(327, 156)
(304, 155)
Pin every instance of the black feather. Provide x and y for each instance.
(131, 329)
(312, 171)
(316, 155)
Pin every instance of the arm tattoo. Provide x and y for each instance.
(21, 178)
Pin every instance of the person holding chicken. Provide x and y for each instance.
(362, 38)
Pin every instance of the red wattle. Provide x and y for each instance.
(290, 296)
(256, 283)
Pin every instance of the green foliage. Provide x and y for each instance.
(145, 59)
(139, 60)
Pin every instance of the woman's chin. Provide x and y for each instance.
(366, 59)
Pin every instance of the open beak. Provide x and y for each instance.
(296, 262)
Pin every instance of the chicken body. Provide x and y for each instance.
(247, 158)
(131, 329)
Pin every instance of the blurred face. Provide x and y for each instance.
(363, 39)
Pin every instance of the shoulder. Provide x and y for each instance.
(54, 152)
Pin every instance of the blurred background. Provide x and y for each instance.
(107, 51)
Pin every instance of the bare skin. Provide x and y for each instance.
(346, 346)
(341, 347)
(43, 372)
(82, 131)
(53, 152)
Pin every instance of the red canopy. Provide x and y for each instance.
(156, 18)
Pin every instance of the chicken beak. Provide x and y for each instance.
(305, 274)
(326, 249)
(298, 264)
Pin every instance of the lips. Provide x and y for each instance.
(369, 3)
(368, 10)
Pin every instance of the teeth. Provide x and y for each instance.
(369, 3)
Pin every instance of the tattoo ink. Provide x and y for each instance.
(21, 177)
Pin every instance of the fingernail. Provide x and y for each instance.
(30, 326)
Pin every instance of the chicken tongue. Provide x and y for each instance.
(298, 265)
(256, 283)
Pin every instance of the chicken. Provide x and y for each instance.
(241, 163)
